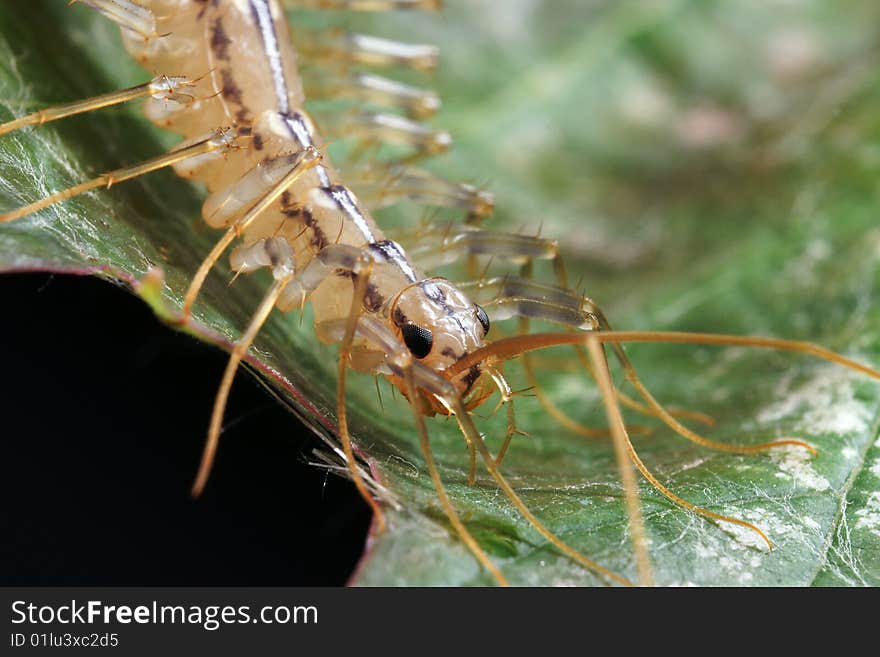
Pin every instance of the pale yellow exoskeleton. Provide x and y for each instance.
(231, 87)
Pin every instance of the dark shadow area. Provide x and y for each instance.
(104, 411)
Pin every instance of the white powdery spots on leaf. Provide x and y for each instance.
(736, 560)
(849, 453)
(795, 462)
(743, 536)
(743, 560)
(827, 404)
(869, 517)
(706, 550)
(810, 523)
(692, 464)
(765, 520)
(875, 468)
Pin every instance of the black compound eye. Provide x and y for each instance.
(418, 340)
(484, 319)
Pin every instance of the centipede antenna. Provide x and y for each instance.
(238, 353)
(508, 347)
(694, 437)
(638, 407)
(675, 499)
(664, 415)
(220, 139)
(505, 348)
(162, 87)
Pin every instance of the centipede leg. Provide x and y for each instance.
(162, 87)
(365, 5)
(127, 14)
(210, 145)
(666, 416)
(360, 272)
(621, 440)
(414, 102)
(238, 353)
(466, 537)
(417, 378)
(509, 347)
(467, 426)
(335, 48)
(296, 166)
(596, 354)
(380, 186)
(617, 429)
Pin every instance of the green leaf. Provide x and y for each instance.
(707, 166)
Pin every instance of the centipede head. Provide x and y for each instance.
(439, 325)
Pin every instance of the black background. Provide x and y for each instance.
(103, 413)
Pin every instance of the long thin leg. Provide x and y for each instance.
(415, 102)
(466, 537)
(162, 87)
(373, 128)
(302, 162)
(126, 14)
(600, 373)
(509, 347)
(437, 385)
(381, 186)
(238, 352)
(364, 5)
(675, 425)
(216, 142)
(506, 400)
(511, 296)
(289, 290)
(588, 317)
(334, 48)
(444, 245)
(468, 427)
(361, 278)
(627, 476)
